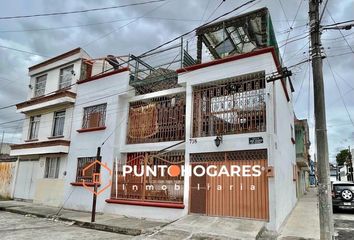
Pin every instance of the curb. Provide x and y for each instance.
(89, 225)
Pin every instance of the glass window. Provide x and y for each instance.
(59, 119)
(39, 88)
(34, 127)
(94, 116)
(52, 167)
(83, 163)
(65, 77)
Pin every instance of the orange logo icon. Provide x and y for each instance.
(96, 177)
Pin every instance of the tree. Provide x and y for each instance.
(342, 157)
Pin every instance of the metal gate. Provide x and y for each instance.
(235, 196)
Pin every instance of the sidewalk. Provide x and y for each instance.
(104, 222)
(303, 223)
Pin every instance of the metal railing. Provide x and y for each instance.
(162, 187)
(230, 106)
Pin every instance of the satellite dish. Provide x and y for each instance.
(112, 60)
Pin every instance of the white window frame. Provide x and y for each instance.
(33, 128)
(52, 166)
(59, 118)
(39, 87)
(65, 76)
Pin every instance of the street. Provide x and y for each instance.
(15, 226)
(344, 224)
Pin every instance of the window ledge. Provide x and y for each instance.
(55, 137)
(31, 140)
(81, 184)
(90, 129)
(147, 204)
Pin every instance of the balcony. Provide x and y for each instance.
(157, 120)
(43, 147)
(59, 98)
(230, 106)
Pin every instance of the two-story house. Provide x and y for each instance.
(48, 111)
(218, 111)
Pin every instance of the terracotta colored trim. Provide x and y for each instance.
(31, 140)
(41, 99)
(52, 143)
(55, 137)
(80, 184)
(90, 129)
(147, 204)
(92, 78)
(55, 59)
(293, 140)
(238, 57)
(226, 59)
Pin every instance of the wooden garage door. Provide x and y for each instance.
(237, 196)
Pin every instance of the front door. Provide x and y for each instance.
(26, 179)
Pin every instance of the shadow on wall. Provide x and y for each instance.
(7, 170)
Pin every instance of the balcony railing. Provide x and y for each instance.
(157, 120)
(161, 188)
(230, 106)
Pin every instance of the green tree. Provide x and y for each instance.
(342, 157)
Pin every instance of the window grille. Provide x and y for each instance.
(230, 106)
(94, 116)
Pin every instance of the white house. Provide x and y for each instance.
(221, 112)
(225, 114)
(42, 155)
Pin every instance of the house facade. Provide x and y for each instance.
(42, 154)
(210, 134)
(302, 156)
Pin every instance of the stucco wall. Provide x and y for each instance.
(7, 174)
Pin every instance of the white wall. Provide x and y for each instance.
(277, 138)
(104, 90)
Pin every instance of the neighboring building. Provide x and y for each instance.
(185, 113)
(302, 156)
(312, 174)
(7, 170)
(47, 127)
(333, 172)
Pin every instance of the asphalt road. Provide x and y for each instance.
(14, 226)
(344, 224)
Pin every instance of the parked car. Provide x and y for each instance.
(342, 195)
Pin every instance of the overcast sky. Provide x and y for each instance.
(162, 22)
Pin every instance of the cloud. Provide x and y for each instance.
(157, 27)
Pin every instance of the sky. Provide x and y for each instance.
(139, 28)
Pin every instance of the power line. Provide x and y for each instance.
(94, 24)
(134, 20)
(79, 11)
(323, 10)
(340, 93)
(23, 51)
(340, 31)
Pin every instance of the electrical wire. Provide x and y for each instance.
(340, 93)
(79, 11)
(340, 31)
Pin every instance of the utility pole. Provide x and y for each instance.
(94, 197)
(324, 186)
(350, 162)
